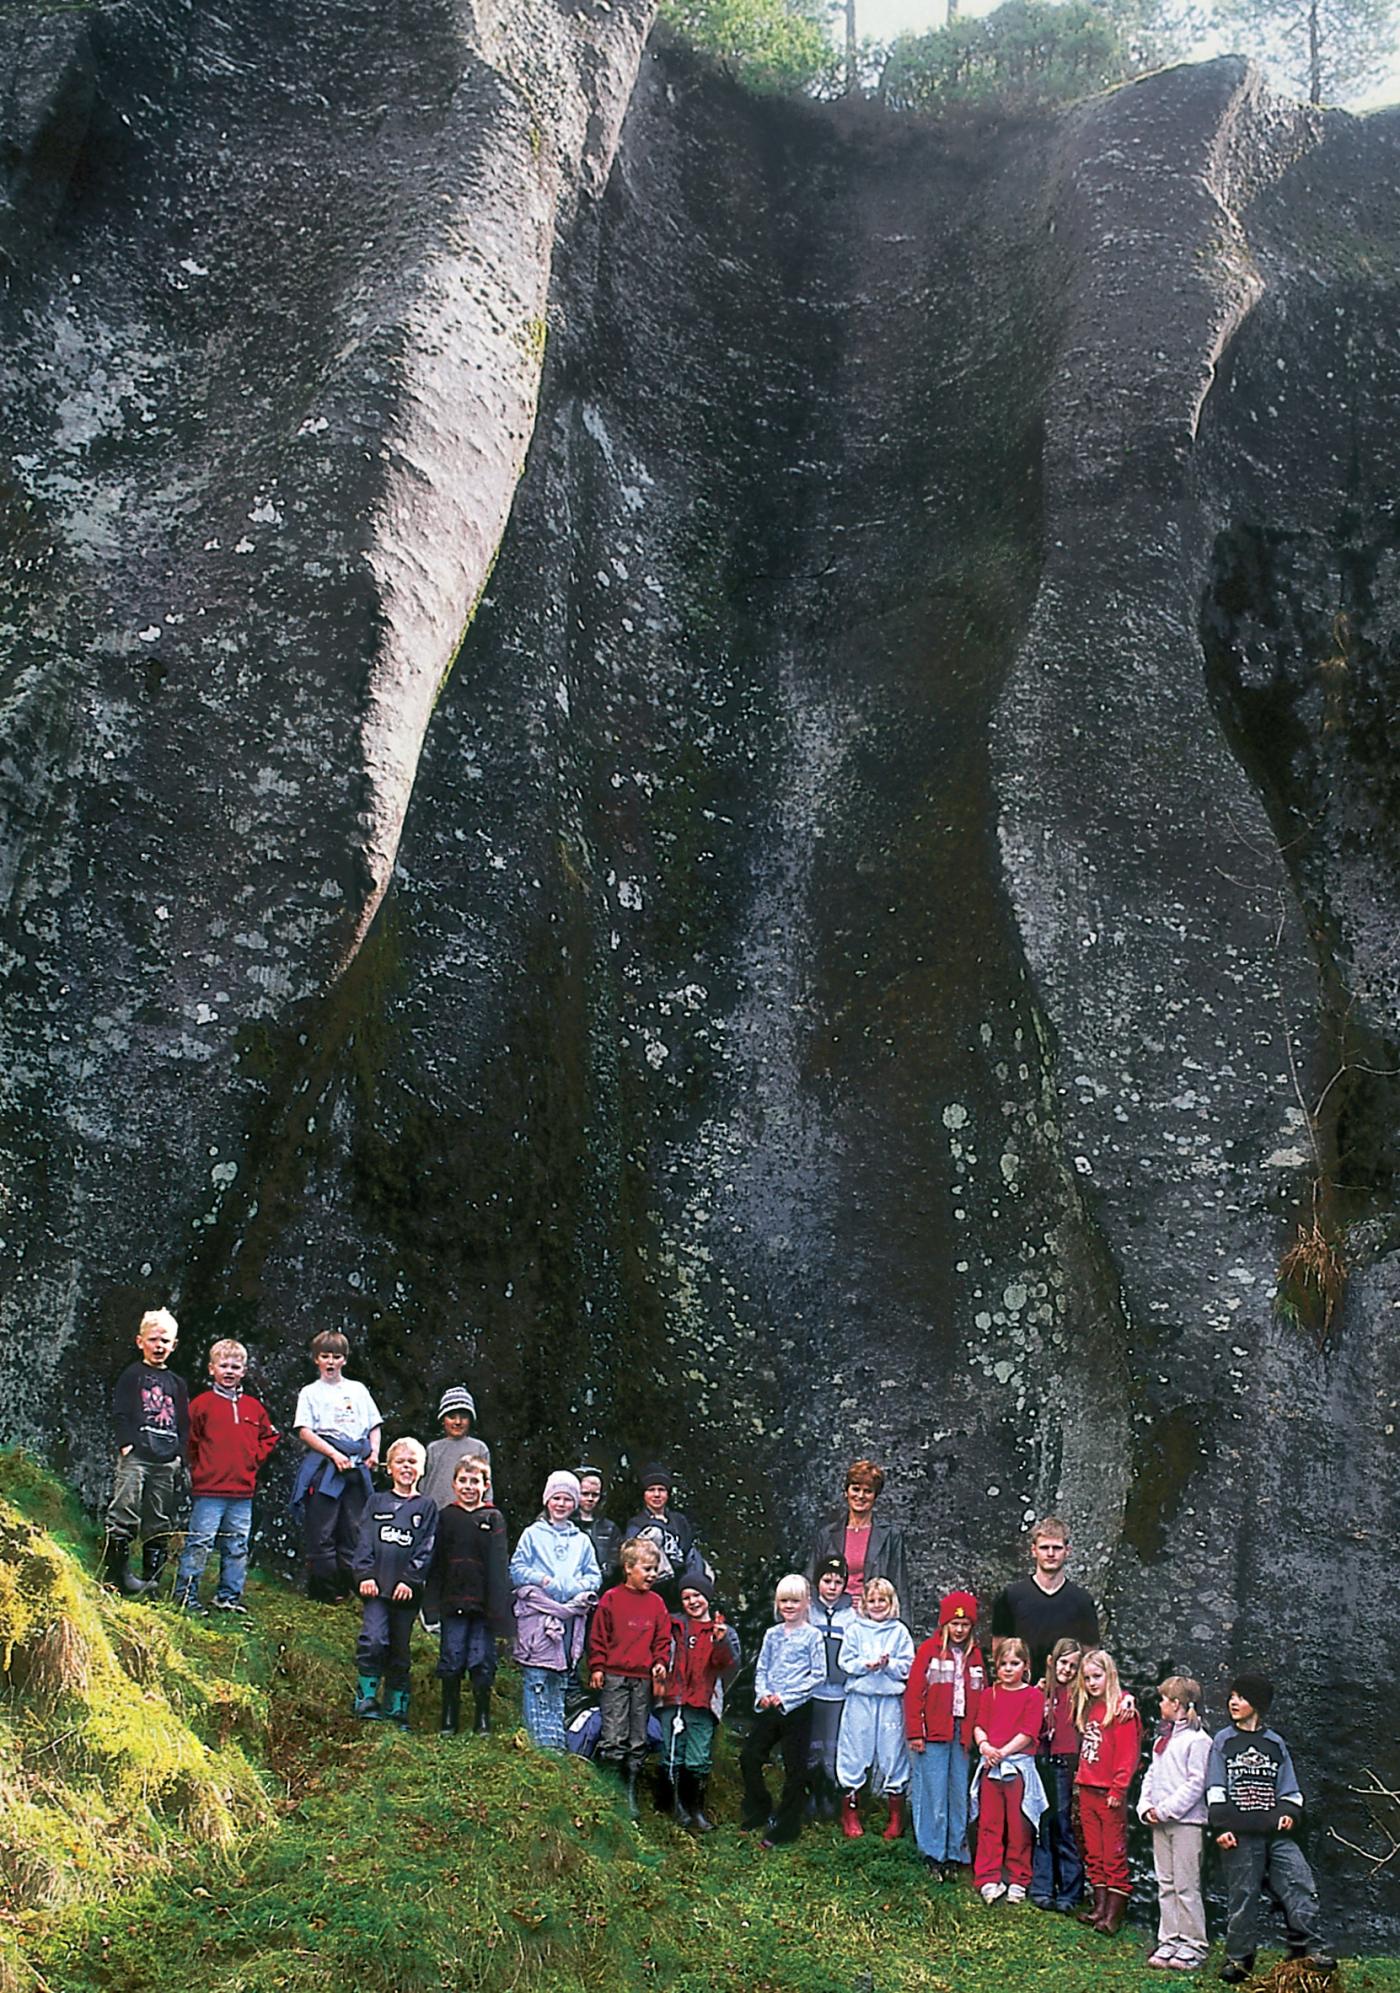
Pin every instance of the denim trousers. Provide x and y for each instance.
(1057, 1874)
(223, 1523)
(938, 1793)
(543, 1704)
(1278, 1860)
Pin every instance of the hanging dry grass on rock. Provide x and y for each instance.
(1311, 1277)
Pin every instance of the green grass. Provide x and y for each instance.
(190, 1808)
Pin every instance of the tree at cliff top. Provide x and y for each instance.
(1026, 52)
(1330, 49)
(768, 44)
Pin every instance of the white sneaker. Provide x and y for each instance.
(992, 1892)
(1015, 1894)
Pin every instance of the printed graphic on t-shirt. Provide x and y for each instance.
(157, 1409)
(1250, 1781)
(1092, 1742)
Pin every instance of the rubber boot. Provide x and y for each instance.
(396, 1709)
(451, 1707)
(481, 1700)
(690, 1801)
(664, 1797)
(830, 1798)
(896, 1823)
(1092, 1912)
(153, 1555)
(366, 1703)
(114, 1568)
(850, 1817)
(629, 1791)
(1115, 1910)
(683, 1784)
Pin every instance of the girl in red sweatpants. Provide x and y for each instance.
(1005, 1726)
(1110, 1747)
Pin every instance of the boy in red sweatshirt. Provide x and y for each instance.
(230, 1437)
(629, 1644)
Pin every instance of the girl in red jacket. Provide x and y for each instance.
(1110, 1745)
(940, 1702)
(1007, 1794)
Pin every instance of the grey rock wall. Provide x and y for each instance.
(838, 962)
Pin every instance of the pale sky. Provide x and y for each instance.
(884, 19)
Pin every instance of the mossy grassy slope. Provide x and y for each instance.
(186, 1806)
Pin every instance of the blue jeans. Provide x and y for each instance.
(223, 1523)
(543, 1705)
(938, 1790)
(1057, 1871)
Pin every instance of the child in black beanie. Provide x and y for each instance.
(1254, 1806)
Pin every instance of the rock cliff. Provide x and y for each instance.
(873, 937)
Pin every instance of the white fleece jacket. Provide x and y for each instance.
(1174, 1784)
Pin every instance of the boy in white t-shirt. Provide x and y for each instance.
(340, 1426)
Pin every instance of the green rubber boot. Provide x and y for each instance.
(366, 1703)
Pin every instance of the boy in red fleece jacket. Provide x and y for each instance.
(629, 1645)
(230, 1437)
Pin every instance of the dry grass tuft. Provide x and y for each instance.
(1312, 1275)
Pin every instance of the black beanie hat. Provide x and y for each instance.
(836, 1564)
(655, 1475)
(1256, 1689)
(699, 1581)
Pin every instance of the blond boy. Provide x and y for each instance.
(150, 1408)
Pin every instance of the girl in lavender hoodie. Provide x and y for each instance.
(1173, 1803)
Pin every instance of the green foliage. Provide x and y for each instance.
(775, 45)
(1327, 50)
(120, 1750)
(1026, 52)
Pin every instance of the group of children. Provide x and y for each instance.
(841, 1694)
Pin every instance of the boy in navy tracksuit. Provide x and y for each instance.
(1254, 1804)
(390, 1563)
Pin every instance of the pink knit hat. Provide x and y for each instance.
(561, 1482)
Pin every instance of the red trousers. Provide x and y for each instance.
(1003, 1833)
(1105, 1831)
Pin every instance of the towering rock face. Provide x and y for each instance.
(903, 850)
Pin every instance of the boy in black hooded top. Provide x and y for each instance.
(471, 1575)
(1254, 1805)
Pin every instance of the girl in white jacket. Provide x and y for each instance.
(876, 1655)
(1173, 1803)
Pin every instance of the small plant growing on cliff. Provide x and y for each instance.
(1311, 1277)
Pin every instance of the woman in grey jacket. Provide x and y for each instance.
(871, 1548)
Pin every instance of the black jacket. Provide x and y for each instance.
(471, 1566)
(884, 1556)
